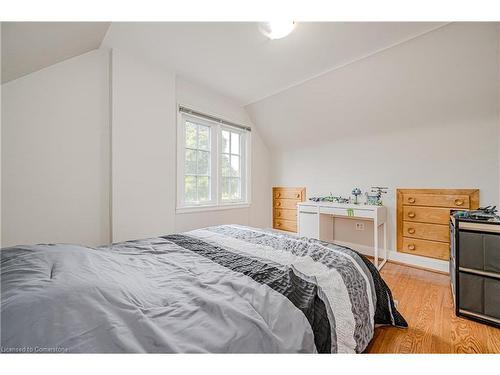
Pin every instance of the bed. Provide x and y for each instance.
(222, 289)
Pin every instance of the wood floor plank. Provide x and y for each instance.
(425, 300)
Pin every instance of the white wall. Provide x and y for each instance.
(144, 128)
(421, 114)
(144, 152)
(259, 213)
(498, 109)
(55, 154)
(127, 40)
(89, 153)
(0, 135)
(143, 148)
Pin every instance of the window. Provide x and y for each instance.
(212, 164)
(231, 166)
(197, 171)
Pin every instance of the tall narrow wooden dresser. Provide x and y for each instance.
(285, 201)
(423, 217)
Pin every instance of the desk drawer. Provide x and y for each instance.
(437, 200)
(308, 224)
(432, 249)
(431, 215)
(346, 212)
(434, 232)
(310, 209)
(288, 225)
(285, 214)
(290, 204)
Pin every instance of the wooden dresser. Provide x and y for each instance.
(285, 201)
(423, 217)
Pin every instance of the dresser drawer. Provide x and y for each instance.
(288, 225)
(492, 298)
(434, 232)
(480, 295)
(480, 251)
(289, 194)
(431, 215)
(290, 204)
(471, 290)
(285, 214)
(423, 215)
(432, 249)
(437, 200)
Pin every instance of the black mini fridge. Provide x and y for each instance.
(475, 268)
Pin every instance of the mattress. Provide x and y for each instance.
(222, 289)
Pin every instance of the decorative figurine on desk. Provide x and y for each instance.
(376, 199)
(330, 198)
(356, 192)
(340, 199)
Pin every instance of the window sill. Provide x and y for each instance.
(228, 206)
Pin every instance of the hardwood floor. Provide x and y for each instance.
(424, 299)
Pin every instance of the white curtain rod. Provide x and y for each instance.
(212, 118)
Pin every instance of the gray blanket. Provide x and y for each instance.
(221, 289)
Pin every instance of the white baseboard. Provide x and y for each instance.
(411, 260)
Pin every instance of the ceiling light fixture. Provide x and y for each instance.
(277, 29)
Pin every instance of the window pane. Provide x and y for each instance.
(235, 188)
(225, 141)
(225, 188)
(226, 169)
(190, 189)
(190, 161)
(235, 166)
(203, 163)
(203, 137)
(203, 189)
(190, 134)
(235, 143)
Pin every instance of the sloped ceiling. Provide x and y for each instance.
(237, 60)
(31, 46)
(446, 77)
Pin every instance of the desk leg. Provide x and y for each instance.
(385, 241)
(385, 247)
(375, 241)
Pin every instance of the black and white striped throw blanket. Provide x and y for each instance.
(220, 289)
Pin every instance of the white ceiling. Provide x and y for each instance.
(237, 60)
(446, 78)
(234, 59)
(31, 46)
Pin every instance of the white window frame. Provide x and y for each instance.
(243, 166)
(215, 202)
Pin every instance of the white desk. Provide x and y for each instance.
(310, 221)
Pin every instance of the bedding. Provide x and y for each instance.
(220, 289)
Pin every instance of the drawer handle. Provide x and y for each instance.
(411, 200)
(459, 202)
(298, 195)
(278, 224)
(411, 214)
(278, 214)
(411, 247)
(278, 203)
(411, 230)
(278, 195)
